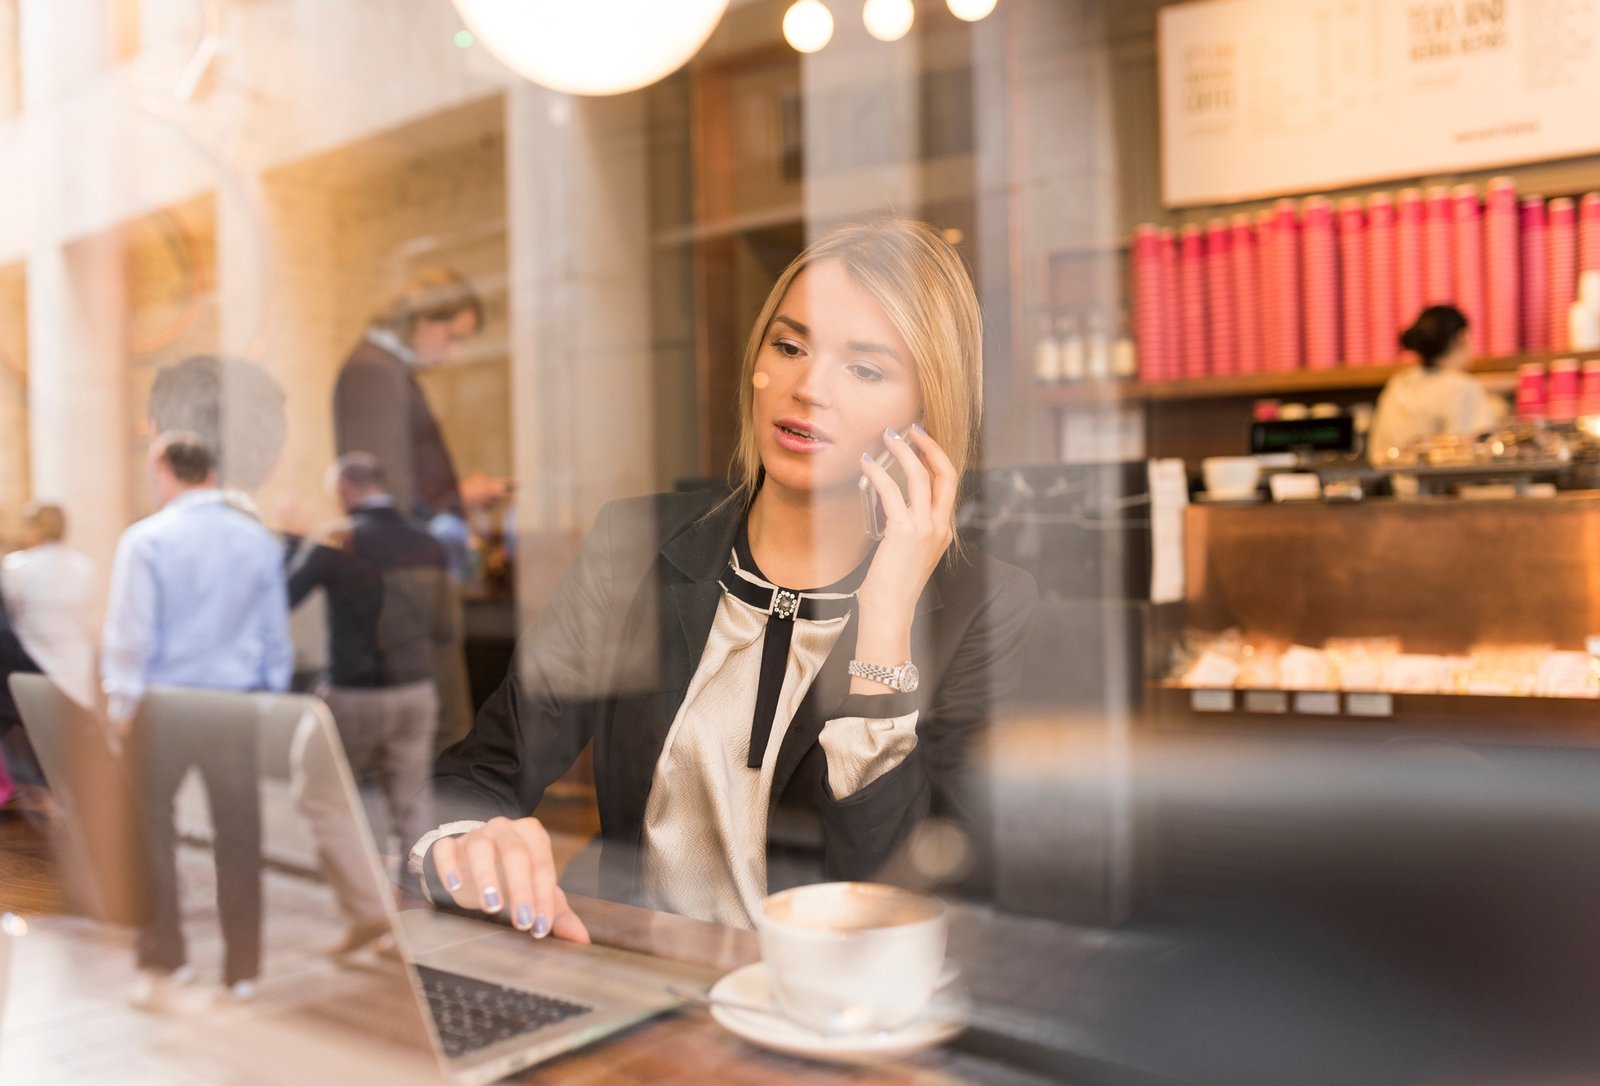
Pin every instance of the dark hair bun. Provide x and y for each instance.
(1434, 332)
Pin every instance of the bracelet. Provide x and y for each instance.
(419, 851)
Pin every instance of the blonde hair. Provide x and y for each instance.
(925, 291)
(48, 520)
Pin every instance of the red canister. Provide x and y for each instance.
(1589, 388)
(1531, 401)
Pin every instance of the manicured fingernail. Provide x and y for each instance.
(491, 899)
(917, 426)
(452, 882)
(524, 917)
(541, 927)
(866, 458)
(889, 432)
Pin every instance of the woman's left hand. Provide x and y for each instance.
(918, 530)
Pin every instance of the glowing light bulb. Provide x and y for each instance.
(971, 10)
(889, 20)
(808, 25)
(593, 46)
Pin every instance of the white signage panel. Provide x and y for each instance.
(1270, 97)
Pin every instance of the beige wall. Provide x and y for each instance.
(10, 61)
(300, 77)
(170, 268)
(99, 148)
(341, 233)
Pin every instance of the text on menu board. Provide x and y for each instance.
(1266, 98)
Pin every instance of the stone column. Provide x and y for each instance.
(582, 380)
(79, 442)
(15, 485)
(278, 291)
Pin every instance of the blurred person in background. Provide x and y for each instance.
(390, 604)
(840, 711)
(16, 755)
(197, 599)
(49, 595)
(1437, 397)
(379, 406)
(236, 409)
(47, 591)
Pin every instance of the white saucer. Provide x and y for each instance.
(941, 1020)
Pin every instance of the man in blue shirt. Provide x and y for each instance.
(197, 599)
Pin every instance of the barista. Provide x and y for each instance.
(1437, 397)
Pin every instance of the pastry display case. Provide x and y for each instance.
(1437, 616)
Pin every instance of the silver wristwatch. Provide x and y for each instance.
(419, 851)
(903, 678)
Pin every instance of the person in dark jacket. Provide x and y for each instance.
(379, 406)
(390, 604)
(773, 692)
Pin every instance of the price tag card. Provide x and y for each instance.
(1266, 701)
(1211, 701)
(1369, 704)
(1317, 703)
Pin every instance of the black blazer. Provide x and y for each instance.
(610, 660)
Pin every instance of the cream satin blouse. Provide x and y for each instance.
(705, 824)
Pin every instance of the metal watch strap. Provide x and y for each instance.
(888, 676)
(419, 851)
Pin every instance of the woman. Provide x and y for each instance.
(1436, 398)
(740, 662)
(49, 594)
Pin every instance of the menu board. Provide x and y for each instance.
(1270, 97)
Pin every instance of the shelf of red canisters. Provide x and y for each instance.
(1260, 385)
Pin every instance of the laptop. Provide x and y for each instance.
(493, 1000)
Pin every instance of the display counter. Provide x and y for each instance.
(1438, 615)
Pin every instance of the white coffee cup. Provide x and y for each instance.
(852, 957)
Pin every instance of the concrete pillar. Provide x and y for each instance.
(64, 44)
(278, 291)
(10, 64)
(79, 433)
(14, 479)
(79, 436)
(582, 377)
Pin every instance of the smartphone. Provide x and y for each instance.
(872, 516)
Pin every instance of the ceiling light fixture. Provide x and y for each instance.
(808, 25)
(594, 47)
(971, 10)
(889, 20)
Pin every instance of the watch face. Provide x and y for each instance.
(909, 678)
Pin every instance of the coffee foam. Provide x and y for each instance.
(849, 908)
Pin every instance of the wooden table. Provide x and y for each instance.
(69, 1022)
(689, 1047)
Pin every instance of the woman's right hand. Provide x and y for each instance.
(508, 866)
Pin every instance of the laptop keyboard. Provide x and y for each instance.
(471, 1014)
